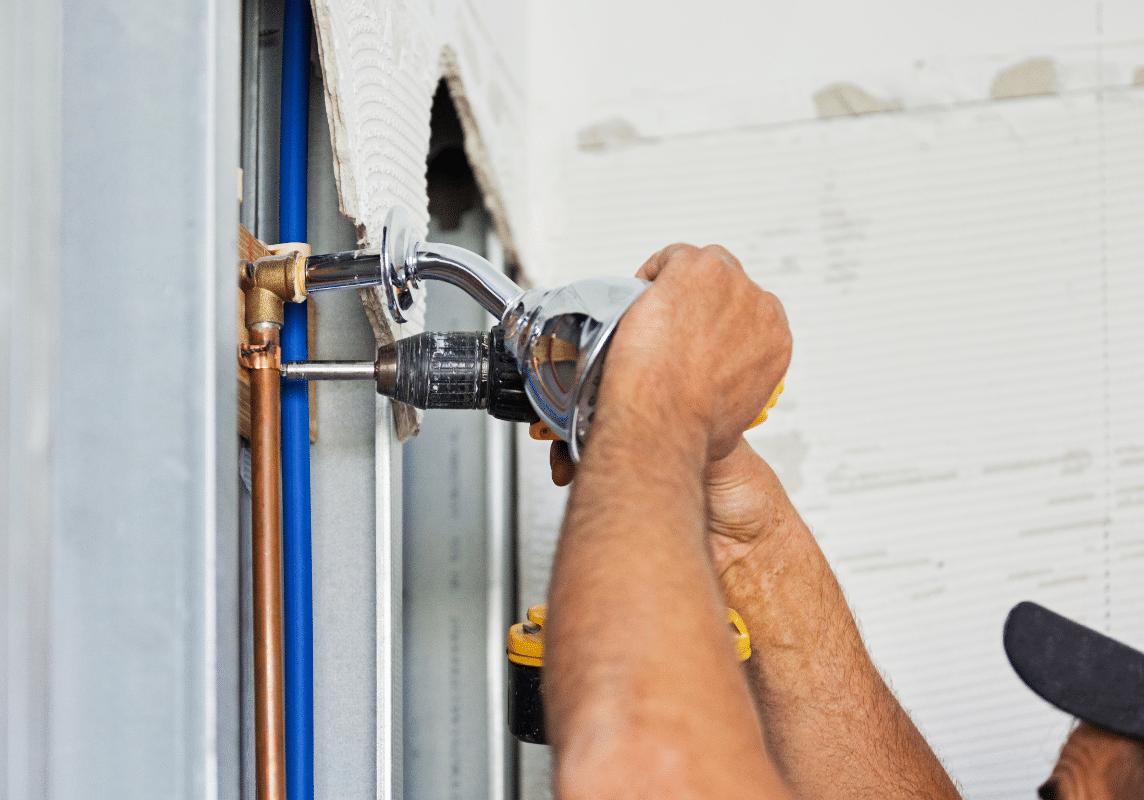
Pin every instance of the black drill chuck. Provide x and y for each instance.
(454, 370)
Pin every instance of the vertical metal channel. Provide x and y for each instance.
(344, 506)
(458, 579)
(500, 482)
(249, 92)
(143, 628)
(250, 139)
(30, 107)
(390, 572)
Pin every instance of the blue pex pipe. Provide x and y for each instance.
(297, 568)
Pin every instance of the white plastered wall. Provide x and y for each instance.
(948, 198)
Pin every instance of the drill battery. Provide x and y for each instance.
(525, 648)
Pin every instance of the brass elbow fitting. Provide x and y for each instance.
(271, 281)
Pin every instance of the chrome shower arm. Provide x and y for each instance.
(467, 271)
(343, 270)
(403, 261)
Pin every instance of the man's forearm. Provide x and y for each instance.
(642, 690)
(832, 723)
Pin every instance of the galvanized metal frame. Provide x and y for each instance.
(120, 137)
(30, 53)
(458, 571)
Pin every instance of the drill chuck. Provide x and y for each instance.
(437, 370)
(454, 370)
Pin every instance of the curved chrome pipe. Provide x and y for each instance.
(558, 337)
(403, 261)
(468, 272)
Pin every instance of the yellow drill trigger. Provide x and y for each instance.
(759, 420)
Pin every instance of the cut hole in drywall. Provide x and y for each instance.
(451, 185)
(478, 159)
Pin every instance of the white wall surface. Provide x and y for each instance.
(636, 72)
(947, 196)
(963, 424)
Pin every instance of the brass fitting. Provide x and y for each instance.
(271, 281)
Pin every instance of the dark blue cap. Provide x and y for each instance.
(1078, 670)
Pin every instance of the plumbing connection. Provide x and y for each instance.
(556, 339)
(541, 363)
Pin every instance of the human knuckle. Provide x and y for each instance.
(679, 250)
(725, 256)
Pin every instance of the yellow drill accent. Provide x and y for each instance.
(740, 638)
(526, 639)
(542, 433)
(525, 643)
(759, 420)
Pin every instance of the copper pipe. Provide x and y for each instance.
(266, 532)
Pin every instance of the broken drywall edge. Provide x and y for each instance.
(478, 154)
(383, 60)
(1036, 77)
(379, 77)
(1138, 77)
(339, 136)
(848, 100)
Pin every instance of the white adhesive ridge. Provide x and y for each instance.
(760, 62)
(380, 65)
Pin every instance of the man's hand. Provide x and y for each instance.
(643, 694)
(666, 481)
(704, 343)
(740, 510)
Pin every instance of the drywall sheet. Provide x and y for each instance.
(752, 62)
(379, 66)
(963, 425)
(382, 60)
